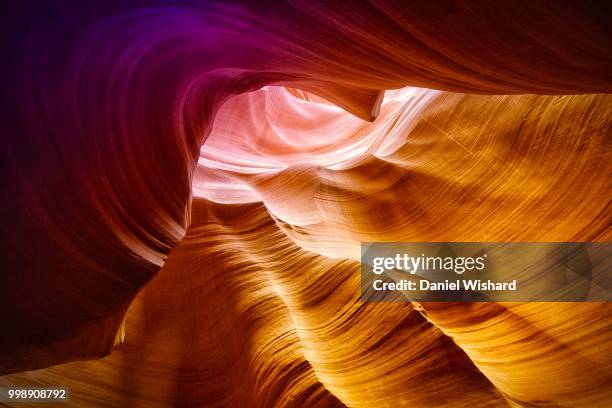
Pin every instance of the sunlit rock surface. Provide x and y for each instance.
(239, 153)
(434, 166)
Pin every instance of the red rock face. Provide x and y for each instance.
(186, 187)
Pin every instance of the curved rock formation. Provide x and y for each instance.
(223, 127)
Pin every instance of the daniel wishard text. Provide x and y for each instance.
(422, 264)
